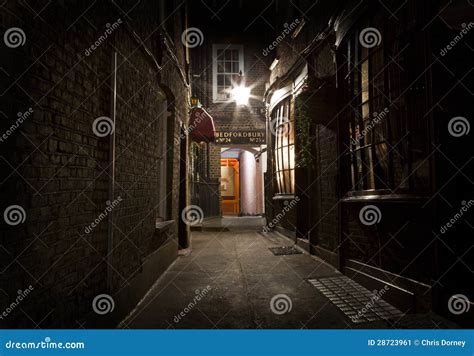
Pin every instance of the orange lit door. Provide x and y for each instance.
(230, 195)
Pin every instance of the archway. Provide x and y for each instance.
(242, 185)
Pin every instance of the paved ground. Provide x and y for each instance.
(229, 280)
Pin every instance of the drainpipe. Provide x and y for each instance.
(110, 227)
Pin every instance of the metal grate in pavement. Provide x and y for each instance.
(285, 250)
(356, 302)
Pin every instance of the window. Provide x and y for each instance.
(367, 145)
(378, 134)
(283, 121)
(228, 63)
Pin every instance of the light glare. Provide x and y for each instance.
(241, 95)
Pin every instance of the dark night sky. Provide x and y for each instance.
(245, 18)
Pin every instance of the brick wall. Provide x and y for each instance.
(228, 116)
(57, 169)
(389, 245)
(214, 161)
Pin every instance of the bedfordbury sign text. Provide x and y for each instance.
(248, 137)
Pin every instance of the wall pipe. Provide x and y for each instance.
(110, 227)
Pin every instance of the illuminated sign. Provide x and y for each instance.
(241, 137)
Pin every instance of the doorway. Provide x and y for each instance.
(230, 186)
(241, 182)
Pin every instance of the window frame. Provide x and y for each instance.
(215, 48)
(389, 141)
(285, 183)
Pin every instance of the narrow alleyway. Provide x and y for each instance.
(242, 275)
(236, 276)
(155, 155)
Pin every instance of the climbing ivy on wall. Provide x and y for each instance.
(303, 132)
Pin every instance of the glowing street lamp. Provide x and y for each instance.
(194, 101)
(241, 94)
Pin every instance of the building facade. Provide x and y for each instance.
(361, 101)
(94, 165)
(229, 179)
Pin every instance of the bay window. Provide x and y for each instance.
(380, 121)
(283, 119)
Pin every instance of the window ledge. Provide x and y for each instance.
(384, 197)
(284, 197)
(163, 225)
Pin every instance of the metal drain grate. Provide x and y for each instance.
(356, 302)
(285, 250)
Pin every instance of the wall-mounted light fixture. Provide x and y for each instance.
(240, 93)
(194, 101)
(274, 64)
